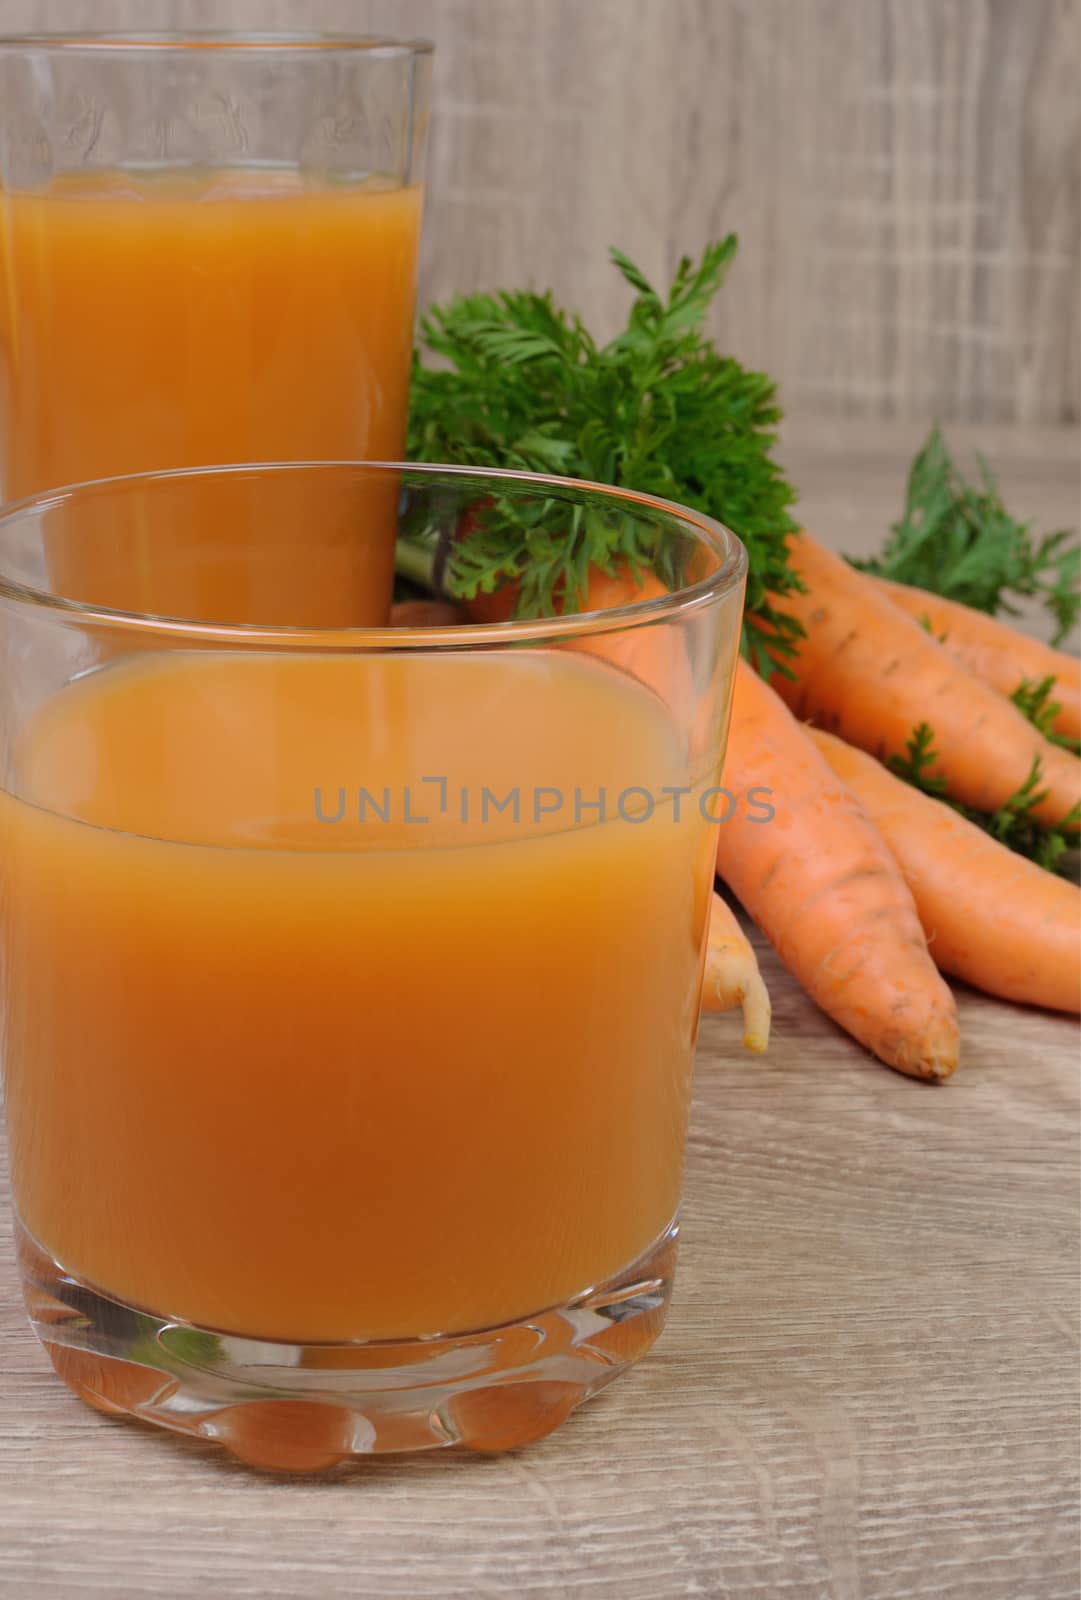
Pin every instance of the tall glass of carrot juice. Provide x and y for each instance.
(208, 248)
(350, 976)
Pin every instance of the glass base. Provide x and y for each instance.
(307, 1407)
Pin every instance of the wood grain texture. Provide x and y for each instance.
(904, 174)
(868, 1389)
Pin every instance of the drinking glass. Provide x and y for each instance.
(208, 249)
(350, 975)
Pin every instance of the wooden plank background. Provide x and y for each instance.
(903, 174)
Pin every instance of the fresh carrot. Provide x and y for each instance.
(996, 653)
(732, 977)
(654, 653)
(872, 674)
(991, 917)
(602, 591)
(822, 885)
(426, 614)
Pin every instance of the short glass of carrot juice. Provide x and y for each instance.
(350, 975)
(208, 252)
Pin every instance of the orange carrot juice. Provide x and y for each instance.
(152, 322)
(340, 1064)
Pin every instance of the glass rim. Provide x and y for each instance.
(729, 574)
(177, 41)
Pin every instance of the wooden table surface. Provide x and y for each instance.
(868, 1389)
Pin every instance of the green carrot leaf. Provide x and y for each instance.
(919, 763)
(1034, 697)
(956, 538)
(522, 384)
(1012, 824)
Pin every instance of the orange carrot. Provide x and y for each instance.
(991, 917)
(996, 653)
(425, 614)
(654, 653)
(822, 885)
(872, 674)
(732, 977)
(602, 591)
